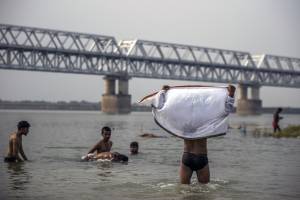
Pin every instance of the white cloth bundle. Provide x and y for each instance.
(193, 112)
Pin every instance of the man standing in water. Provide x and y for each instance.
(15, 143)
(276, 119)
(194, 157)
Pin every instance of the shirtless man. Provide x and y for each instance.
(276, 119)
(15, 143)
(194, 157)
(105, 144)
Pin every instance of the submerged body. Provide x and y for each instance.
(194, 158)
(106, 156)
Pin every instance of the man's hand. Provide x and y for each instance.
(165, 87)
(231, 90)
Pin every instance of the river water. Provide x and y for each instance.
(242, 165)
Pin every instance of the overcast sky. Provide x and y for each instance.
(256, 26)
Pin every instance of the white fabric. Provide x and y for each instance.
(193, 112)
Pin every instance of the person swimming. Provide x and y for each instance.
(134, 148)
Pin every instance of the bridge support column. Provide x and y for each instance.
(112, 102)
(247, 106)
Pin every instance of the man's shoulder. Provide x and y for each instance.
(13, 136)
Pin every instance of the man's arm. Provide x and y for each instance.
(94, 148)
(160, 101)
(230, 99)
(22, 152)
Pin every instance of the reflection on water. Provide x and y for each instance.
(18, 177)
(242, 165)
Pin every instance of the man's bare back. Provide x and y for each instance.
(196, 146)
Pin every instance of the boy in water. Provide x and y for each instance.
(134, 148)
(105, 144)
(15, 143)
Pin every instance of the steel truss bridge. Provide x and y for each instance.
(37, 49)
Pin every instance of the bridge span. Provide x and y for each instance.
(38, 49)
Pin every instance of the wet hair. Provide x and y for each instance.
(105, 128)
(120, 157)
(279, 109)
(23, 124)
(134, 144)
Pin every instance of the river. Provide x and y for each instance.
(242, 165)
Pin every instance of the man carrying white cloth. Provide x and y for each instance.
(204, 116)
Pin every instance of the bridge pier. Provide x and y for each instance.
(247, 106)
(112, 102)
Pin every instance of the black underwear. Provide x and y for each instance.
(193, 161)
(10, 159)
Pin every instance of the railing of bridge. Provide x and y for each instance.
(49, 40)
(185, 53)
(26, 48)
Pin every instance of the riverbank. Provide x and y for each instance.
(290, 131)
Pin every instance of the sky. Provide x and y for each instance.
(255, 26)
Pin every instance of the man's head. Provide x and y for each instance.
(106, 133)
(279, 110)
(117, 157)
(23, 127)
(165, 87)
(134, 147)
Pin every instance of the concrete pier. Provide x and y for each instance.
(246, 106)
(116, 102)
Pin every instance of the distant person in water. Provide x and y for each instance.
(276, 119)
(106, 156)
(105, 144)
(134, 148)
(15, 143)
(151, 135)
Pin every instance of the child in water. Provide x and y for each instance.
(134, 148)
(105, 144)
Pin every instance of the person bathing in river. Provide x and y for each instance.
(134, 148)
(276, 119)
(15, 143)
(105, 144)
(194, 157)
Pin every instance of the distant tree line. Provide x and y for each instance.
(85, 105)
(60, 105)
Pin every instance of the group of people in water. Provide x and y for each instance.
(194, 158)
(103, 149)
